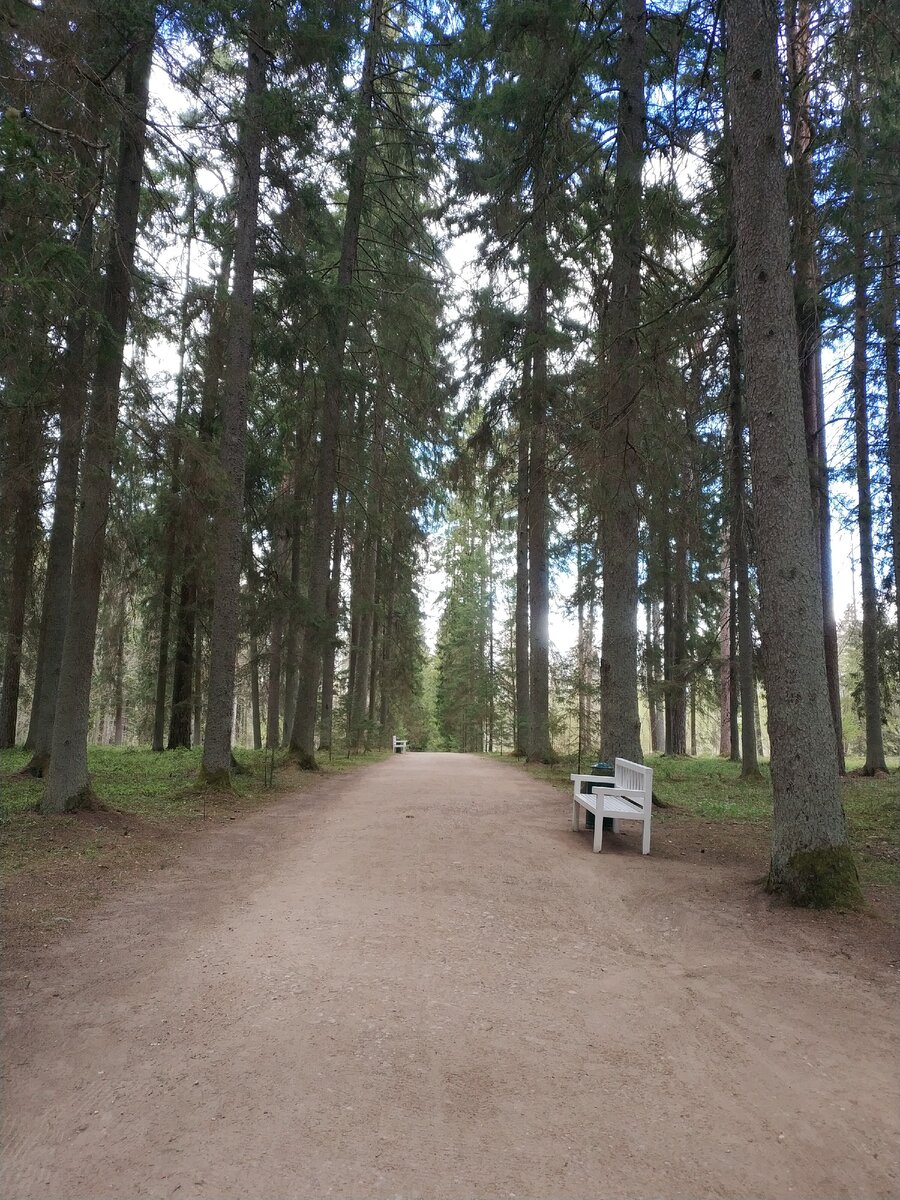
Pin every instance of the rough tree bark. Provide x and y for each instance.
(187, 668)
(811, 862)
(620, 725)
(170, 506)
(735, 755)
(119, 671)
(678, 683)
(68, 783)
(291, 652)
(740, 551)
(725, 656)
(276, 638)
(377, 635)
(73, 393)
(365, 589)
(364, 598)
(875, 762)
(224, 629)
(326, 725)
(539, 749)
(892, 385)
(656, 714)
(319, 631)
(523, 701)
(253, 666)
(22, 486)
(806, 289)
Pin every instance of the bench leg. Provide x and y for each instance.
(576, 816)
(598, 830)
(645, 844)
(616, 825)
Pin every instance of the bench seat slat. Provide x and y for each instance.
(625, 807)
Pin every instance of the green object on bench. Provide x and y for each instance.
(599, 768)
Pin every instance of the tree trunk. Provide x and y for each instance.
(353, 648)
(319, 632)
(374, 676)
(743, 619)
(366, 590)
(364, 595)
(24, 500)
(73, 394)
(875, 762)
(292, 640)
(491, 663)
(620, 724)
(119, 674)
(680, 666)
(170, 510)
(580, 651)
(197, 689)
(276, 641)
(539, 749)
(522, 674)
(254, 692)
(668, 644)
(743, 615)
(735, 756)
(892, 386)
(273, 700)
(224, 630)
(187, 670)
(68, 784)
(165, 618)
(806, 290)
(757, 719)
(388, 643)
(811, 863)
(657, 721)
(725, 657)
(183, 671)
(326, 725)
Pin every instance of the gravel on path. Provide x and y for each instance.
(416, 981)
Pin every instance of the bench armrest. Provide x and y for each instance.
(640, 798)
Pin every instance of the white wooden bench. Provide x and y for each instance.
(399, 745)
(629, 799)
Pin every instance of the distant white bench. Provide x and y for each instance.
(629, 799)
(400, 745)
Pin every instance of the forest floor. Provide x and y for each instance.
(415, 980)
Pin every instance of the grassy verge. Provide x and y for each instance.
(151, 798)
(711, 790)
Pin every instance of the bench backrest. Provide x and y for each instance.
(633, 777)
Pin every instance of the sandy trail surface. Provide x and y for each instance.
(416, 981)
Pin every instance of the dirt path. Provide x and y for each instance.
(415, 981)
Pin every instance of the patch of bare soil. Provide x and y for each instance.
(723, 853)
(60, 867)
(417, 981)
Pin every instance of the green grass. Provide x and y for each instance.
(130, 779)
(136, 780)
(711, 789)
(162, 788)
